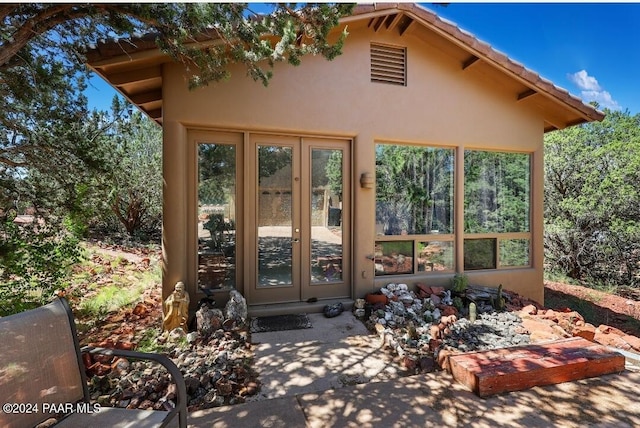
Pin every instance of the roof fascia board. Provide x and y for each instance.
(148, 54)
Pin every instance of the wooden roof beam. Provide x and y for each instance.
(526, 94)
(155, 114)
(125, 77)
(470, 62)
(548, 127)
(405, 24)
(378, 23)
(555, 122)
(394, 21)
(146, 97)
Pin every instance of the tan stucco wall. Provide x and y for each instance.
(441, 105)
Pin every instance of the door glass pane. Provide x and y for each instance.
(275, 216)
(326, 215)
(216, 215)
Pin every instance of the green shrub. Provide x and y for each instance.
(35, 261)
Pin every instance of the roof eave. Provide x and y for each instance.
(145, 49)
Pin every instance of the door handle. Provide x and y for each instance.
(296, 240)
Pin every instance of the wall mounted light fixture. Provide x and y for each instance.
(367, 180)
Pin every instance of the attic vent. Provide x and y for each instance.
(388, 64)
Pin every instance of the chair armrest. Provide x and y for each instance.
(181, 396)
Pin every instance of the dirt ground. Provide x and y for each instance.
(597, 307)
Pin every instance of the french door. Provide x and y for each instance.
(300, 216)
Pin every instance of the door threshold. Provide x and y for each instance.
(296, 307)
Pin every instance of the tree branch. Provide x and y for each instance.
(33, 27)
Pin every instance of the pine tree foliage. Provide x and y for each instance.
(204, 37)
(45, 126)
(592, 200)
(57, 157)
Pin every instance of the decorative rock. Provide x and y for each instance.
(437, 290)
(449, 310)
(374, 299)
(605, 329)
(192, 337)
(529, 310)
(120, 366)
(449, 319)
(423, 290)
(208, 320)
(229, 324)
(359, 313)
(222, 356)
(426, 364)
(443, 359)
(612, 340)
(434, 344)
(251, 388)
(446, 299)
(633, 341)
(410, 363)
(541, 330)
(434, 331)
(549, 314)
(428, 316)
(331, 311)
(224, 387)
(236, 308)
(586, 331)
(192, 384)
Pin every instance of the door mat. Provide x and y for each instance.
(280, 323)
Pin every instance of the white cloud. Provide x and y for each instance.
(590, 90)
(583, 81)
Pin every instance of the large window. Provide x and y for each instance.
(414, 209)
(216, 215)
(497, 204)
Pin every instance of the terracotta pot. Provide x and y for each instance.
(376, 298)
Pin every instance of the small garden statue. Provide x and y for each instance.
(176, 309)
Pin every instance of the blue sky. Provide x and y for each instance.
(590, 49)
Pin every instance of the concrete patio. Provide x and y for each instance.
(335, 375)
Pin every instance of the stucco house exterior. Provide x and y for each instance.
(414, 156)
